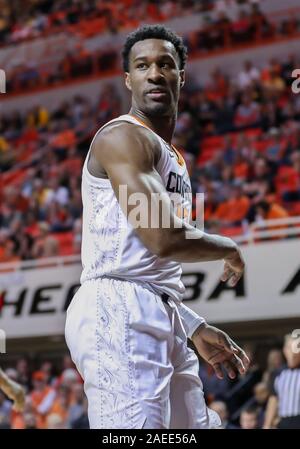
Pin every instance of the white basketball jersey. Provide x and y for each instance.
(111, 246)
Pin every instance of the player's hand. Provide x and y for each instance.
(233, 268)
(220, 351)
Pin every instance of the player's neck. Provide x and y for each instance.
(163, 126)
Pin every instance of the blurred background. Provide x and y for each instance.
(238, 128)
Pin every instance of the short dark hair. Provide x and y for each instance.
(250, 410)
(264, 205)
(153, 32)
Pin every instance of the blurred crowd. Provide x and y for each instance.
(241, 137)
(40, 203)
(228, 25)
(55, 397)
(265, 397)
(22, 20)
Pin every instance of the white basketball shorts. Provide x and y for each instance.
(131, 349)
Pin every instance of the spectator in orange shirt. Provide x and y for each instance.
(64, 139)
(234, 210)
(275, 83)
(271, 211)
(241, 167)
(8, 252)
(22, 420)
(42, 397)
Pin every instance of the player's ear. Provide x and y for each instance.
(127, 81)
(182, 77)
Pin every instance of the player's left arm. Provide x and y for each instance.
(220, 351)
(213, 345)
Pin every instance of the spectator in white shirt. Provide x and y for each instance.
(248, 75)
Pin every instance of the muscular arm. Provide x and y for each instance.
(128, 154)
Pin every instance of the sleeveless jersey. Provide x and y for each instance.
(111, 246)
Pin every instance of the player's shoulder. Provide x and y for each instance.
(121, 135)
(125, 130)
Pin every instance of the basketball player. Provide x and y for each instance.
(126, 327)
(13, 390)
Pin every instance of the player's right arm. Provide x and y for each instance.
(128, 154)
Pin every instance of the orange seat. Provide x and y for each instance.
(286, 180)
(253, 132)
(262, 145)
(293, 208)
(13, 177)
(213, 141)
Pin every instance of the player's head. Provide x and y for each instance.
(153, 61)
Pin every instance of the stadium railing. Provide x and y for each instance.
(277, 230)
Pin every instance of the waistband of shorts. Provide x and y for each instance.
(164, 296)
